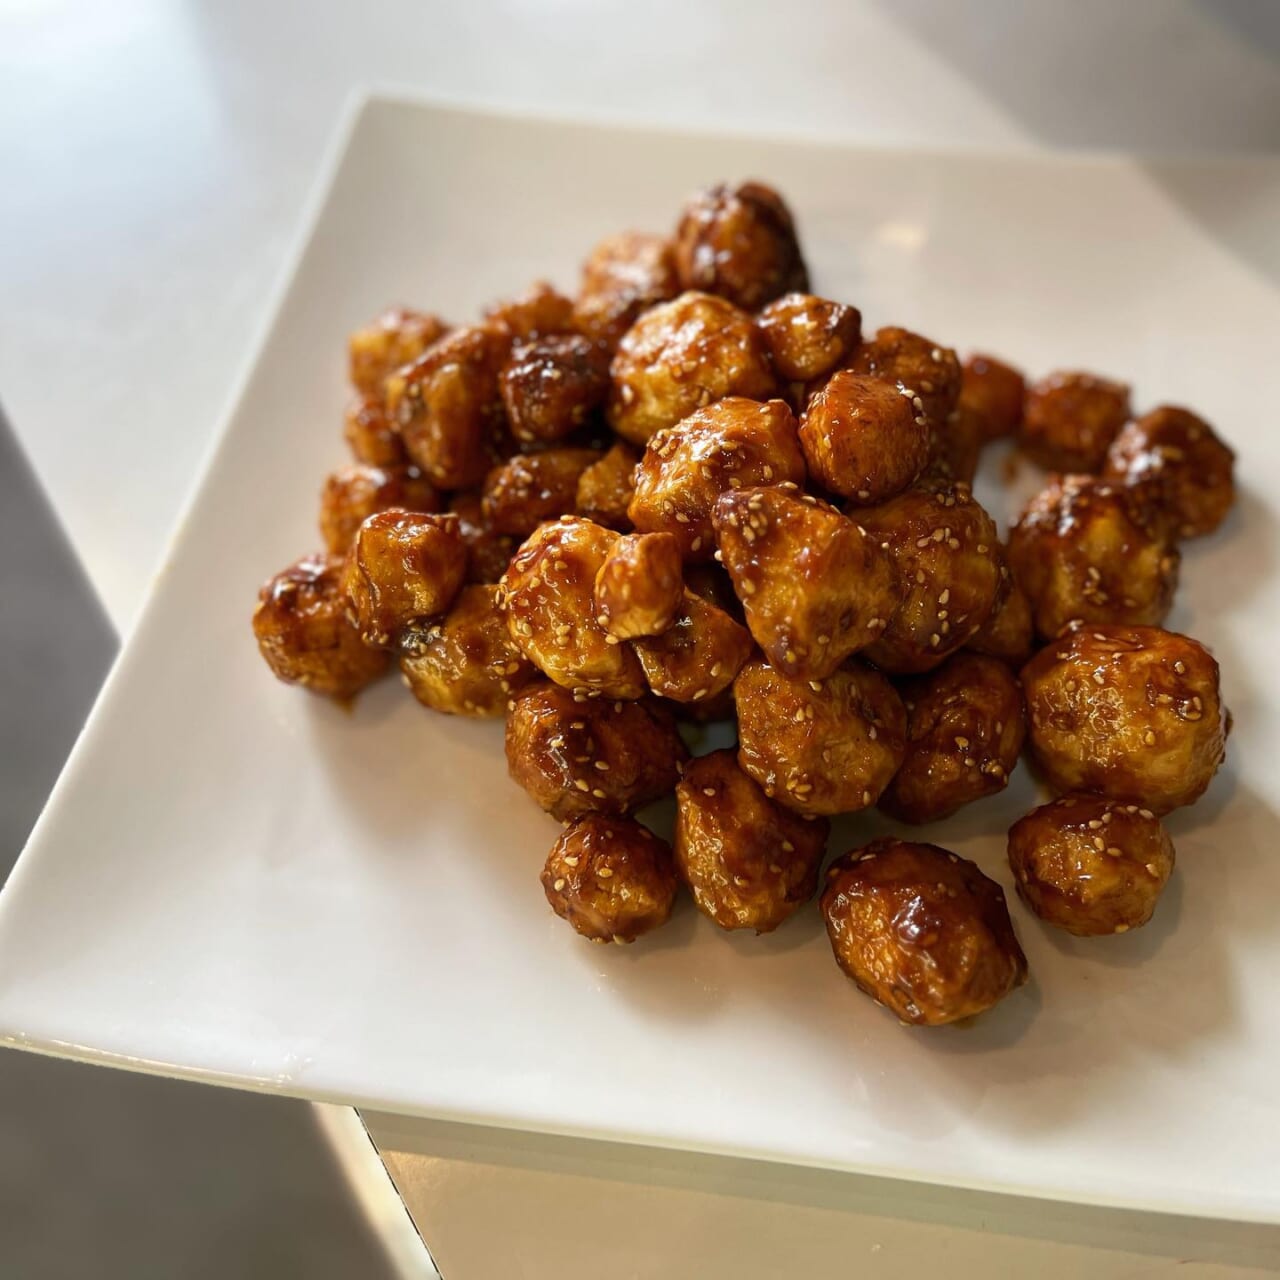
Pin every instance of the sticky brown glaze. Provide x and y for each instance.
(623, 277)
(680, 356)
(370, 434)
(1070, 419)
(993, 392)
(605, 488)
(396, 337)
(574, 754)
(748, 862)
(488, 552)
(921, 365)
(864, 438)
(732, 444)
(639, 586)
(529, 488)
(547, 593)
(403, 567)
(1177, 463)
(965, 726)
(610, 878)
(956, 445)
(739, 243)
(698, 656)
(1086, 550)
(465, 664)
(808, 336)
(820, 746)
(710, 581)
(551, 386)
(303, 634)
(1089, 865)
(1132, 713)
(815, 587)
(921, 931)
(352, 494)
(1007, 634)
(447, 408)
(539, 311)
(948, 563)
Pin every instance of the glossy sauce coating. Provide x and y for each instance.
(610, 878)
(748, 862)
(1177, 463)
(965, 726)
(404, 567)
(698, 656)
(948, 562)
(820, 746)
(352, 494)
(488, 552)
(605, 488)
(639, 587)
(552, 385)
(815, 587)
(921, 931)
(465, 664)
(1132, 713)
(681, 356)
(993, 391)
(1089, 865)
(1007, 634)
(1086, 550)
(303, 634)
(396, 337)
(447, 408)
(906, 359)
(548, 592)
(1070, 419)
(530, 488)
(371, 435)
(574, 754)
(623, 277)
(808, 336)
(740, 243)
(732, 444)
(864, 438)
(956, 445)
(539, 311)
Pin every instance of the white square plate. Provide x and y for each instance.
(240, 883)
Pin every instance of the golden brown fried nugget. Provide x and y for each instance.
(610, 878)
(965, 726)
(465, 664)
(303, 633)
(1007, 634)
(1070, 419)
(748, 862)
(403, 567)
(548, 592)
(948, 563)
(606, 487)
(698, 656)
(352, 494)
(396, 337)
(1176, 462)
(1086, 550)
(814, 585)
(680, 356)
(623, 277)
(808, 336)
(732, 444)
(488, 552)
(552, 385)
(574, 754)
(1132, 713)
(740, 243)
(1089, 865)
(639, 587)
(993, 391)
(918, 363)
(921, 931)
(371, 435)
(539, 311)
(531, 488)
(820, 746)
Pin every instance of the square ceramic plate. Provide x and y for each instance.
(239, 883)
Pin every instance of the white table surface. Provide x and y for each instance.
(156, 156)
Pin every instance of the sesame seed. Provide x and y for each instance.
(708, 791)
(558, 885)
(604, 873)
